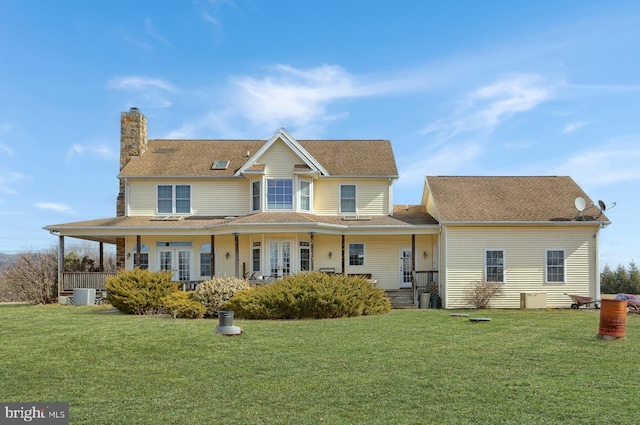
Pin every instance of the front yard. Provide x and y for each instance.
(409, 366)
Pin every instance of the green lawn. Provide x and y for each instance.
(406, 367)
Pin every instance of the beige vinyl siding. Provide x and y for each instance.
(214, 197)
(372, 196)
(279, 161)
(525, 261)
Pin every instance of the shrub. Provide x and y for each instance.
(214, 293)
(482, 293)
(181, 305)
(311, 295)
(139, 291)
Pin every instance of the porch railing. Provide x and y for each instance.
(425, 281)
(95, 280)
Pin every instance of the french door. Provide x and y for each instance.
(279, 257)
(406, 274)
(176, 260)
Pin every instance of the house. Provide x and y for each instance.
(263, 209)
(528, 233)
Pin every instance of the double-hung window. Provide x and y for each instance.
(205, 260)
(494, 265)
(348, 198)
(255, 195)
(555, 266)
(304, 203)
(305, 256)
(356, 254)
(174, 199)
(144, 256)
(280, 194)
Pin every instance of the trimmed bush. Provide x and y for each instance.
(139, 291)
(311, 295)
(181, 305)
(214, 293)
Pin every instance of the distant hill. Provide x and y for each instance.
(8, 259)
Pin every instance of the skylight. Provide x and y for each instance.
(220, 164)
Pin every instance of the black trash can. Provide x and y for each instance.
(435, 301)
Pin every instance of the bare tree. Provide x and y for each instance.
(33, 277)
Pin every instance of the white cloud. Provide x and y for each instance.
(53, 206)
(153, 32)
(616, 162)
(573, 126)
(7, 179)
(100, 151)
(487, 107)
(6, 149)
(149, 92)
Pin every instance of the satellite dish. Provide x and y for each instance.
(603, 207)
(580, 203)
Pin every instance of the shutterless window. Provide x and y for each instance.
(255, 257)
(279, 194)
(305, 195)
(255, 195)
(348, 198)
(205, 260)
(356, 254)
(494, 265)
(305, 256)
(555, 265)
(144, 256)
(174, 199)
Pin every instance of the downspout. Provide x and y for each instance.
(597, 254)
(445, 303)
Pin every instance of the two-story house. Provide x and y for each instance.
(270, 208)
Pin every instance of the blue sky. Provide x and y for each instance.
(459, 87)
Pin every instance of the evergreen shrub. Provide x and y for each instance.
(181, 305)
(215, 292)
(311, 295)
(139, 291)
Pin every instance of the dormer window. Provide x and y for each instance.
(220, 164)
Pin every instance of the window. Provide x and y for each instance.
(144, 256)
(205, 260)
(279, 194)
(305, 195)
(255, 195)
(174, 199)
(348, 198)
(356, 254)
(255, 257)
(305, 256)
(555, 265)
(494, 265)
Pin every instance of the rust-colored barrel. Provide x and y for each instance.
(613, 318)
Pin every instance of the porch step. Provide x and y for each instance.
(400, 298)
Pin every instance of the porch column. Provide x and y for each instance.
(237, 253)
(344, 270)
(101, 256)
(413, 253)
(311, 237)
(213, 262)
(60, 265)
(138, 250)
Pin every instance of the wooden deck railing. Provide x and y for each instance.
(425, 281)
(95, 280)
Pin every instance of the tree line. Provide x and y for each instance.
(622, 279)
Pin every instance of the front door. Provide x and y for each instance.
(178, 261)
(279, 257)
(405, 268)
